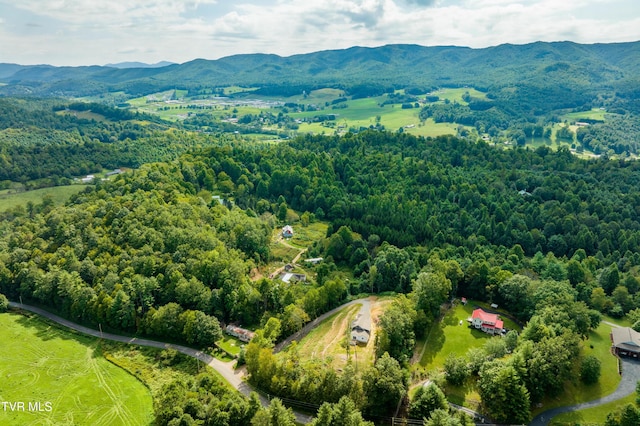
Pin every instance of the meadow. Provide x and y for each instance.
(59, 194)
(42, 363)
(329, 341)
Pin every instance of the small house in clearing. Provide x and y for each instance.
(485, 321)
(625, 342)
(241, 333)
(287, 231)
(361, 327)
(290, 276)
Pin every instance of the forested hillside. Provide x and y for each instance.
(553, 237)
(47, 142)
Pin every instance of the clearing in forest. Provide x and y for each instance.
(329, 340)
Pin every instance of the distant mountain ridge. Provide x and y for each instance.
(538, 64)
(124, 65)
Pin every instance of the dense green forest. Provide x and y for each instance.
(552, 236)
(48, 142)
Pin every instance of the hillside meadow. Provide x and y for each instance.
(40, 363)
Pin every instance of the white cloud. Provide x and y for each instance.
(84, 31)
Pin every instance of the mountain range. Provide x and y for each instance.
(614, 66)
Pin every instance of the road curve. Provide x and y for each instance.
(298, 335)
(225, 369)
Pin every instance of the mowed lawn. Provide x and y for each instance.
(575, 392)
(452, 336)
(40, 363)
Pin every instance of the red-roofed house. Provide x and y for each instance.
(489, 323)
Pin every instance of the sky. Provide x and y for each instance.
(97, 32)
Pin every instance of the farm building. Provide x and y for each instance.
(625, 342)
(361, 327)
(287, 231)
(241, 333)
(290, 276)
(485, 321)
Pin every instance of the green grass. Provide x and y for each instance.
(574, 391)
(59, 194)
(304, 236)
(156, 367)
(594, 114)
(449, 336)
(282, 253)
(595, 415)
(455, 94)
(230, 345)
(42, 363)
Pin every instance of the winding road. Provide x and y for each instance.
(226, 370)
(627, 386)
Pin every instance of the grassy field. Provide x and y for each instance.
(594, 114)
(59, 194)
(230, 345)
(453, 335)
(328, 341)
(41, 363)
(304, 236)
(455, 94)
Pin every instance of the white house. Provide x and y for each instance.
(287, 231)
(361, 327)
(241, 333)
(487, 322)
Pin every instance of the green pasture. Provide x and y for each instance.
(42, 363)
(282, 253)
(230, 345)
(10, 199)
(594, 114)
(232, 90)
(455, 94)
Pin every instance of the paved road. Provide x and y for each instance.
(627, 386)
(235, 377)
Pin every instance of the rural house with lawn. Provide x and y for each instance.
(485, 321)
(625, 342)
